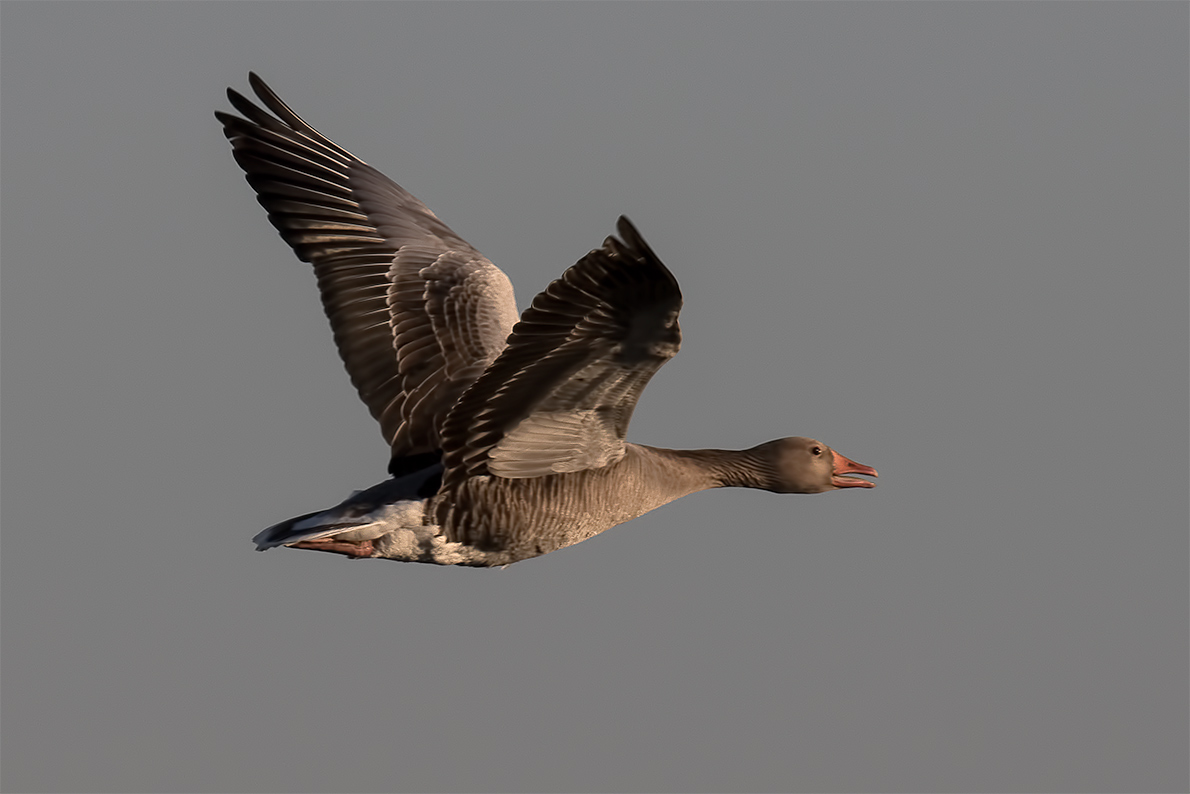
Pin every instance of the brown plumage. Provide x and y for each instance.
(507, 438)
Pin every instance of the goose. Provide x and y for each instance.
(507, 437)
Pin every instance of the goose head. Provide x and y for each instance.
(803, 465)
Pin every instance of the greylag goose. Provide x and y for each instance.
(507, 437)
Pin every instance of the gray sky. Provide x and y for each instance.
(947, 239)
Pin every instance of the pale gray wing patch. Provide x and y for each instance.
(553, 443)
(580, 425)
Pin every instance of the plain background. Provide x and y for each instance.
(948, 239)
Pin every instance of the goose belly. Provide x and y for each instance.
(534, 516)
(428, 544)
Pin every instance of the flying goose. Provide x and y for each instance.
(507, 437)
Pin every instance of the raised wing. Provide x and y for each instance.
(560, 396)
(417, 313)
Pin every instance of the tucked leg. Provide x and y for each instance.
(362, 548)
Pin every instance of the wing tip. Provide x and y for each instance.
(632, 246)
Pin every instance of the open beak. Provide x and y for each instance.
(844, 466)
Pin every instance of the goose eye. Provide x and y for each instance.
(816, 450)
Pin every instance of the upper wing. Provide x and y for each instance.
(560, 396)
(417, 312)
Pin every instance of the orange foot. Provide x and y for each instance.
(360, 549)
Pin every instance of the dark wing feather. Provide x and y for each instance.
(416, 311)
(560, 396)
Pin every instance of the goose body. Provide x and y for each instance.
(507, 438)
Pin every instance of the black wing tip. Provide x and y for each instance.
(631, 247)
(261, 88)
(248, 110)
(257, 84)
(631, 241)
(626, 228)
(629, 237)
